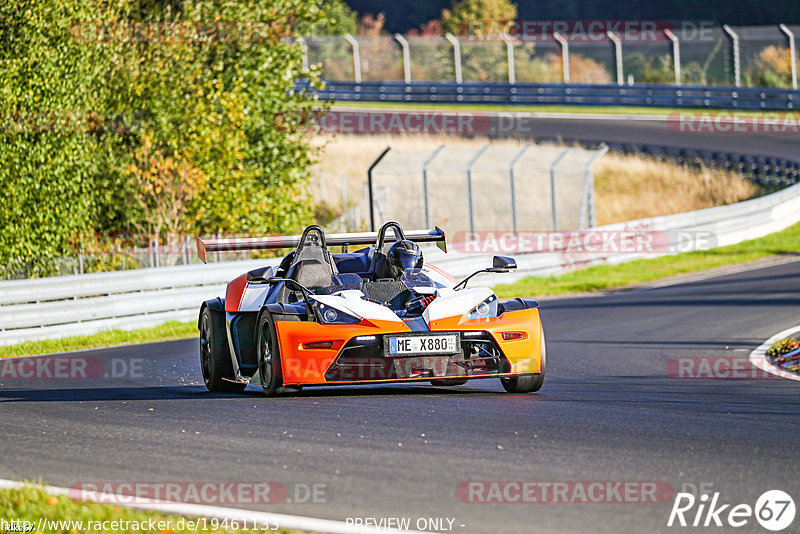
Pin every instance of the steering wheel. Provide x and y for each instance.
(399, 235)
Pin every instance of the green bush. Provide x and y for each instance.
(171, 135)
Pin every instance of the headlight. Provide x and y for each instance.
(333, 316)
(487, 308)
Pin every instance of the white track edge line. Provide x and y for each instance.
(759, 356)
(284, 521)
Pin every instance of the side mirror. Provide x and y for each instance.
(502, 264)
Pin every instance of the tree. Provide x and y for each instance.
(199, 91)
(457, 19)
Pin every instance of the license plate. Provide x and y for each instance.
(443, 344)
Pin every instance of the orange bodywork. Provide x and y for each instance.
(302, 365)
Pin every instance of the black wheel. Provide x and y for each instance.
(269, 357)
(448, 382)
(215, 357)
(526, 383)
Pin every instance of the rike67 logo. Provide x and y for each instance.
(774, 510)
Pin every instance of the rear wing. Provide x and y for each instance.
(204, 246)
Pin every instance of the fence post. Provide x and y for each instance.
(304, 48)
(512, 183)
(512, 71)
(456, 54)
(564, 54)
(737, 72)
(356, 57)
(552, 170)
(676, 54)
(792, 56)
(406, 57)
(587, 206)
(369, 185)
(470, 205)
(618, 54)
(425, 198)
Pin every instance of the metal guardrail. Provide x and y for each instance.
(59, 306)
(646, 95)
(49, 308)
(730, 224)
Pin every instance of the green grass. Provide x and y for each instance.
(32, 503)
(164, 332)
(600, 277)
(547, 108)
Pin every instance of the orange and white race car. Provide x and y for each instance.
(374, 315)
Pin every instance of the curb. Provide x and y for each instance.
(759, 356)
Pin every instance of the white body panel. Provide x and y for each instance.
(448, 303)
(352, 303)
(452, 303)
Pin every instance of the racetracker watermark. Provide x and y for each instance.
(69, 368)
(584, 31)
(583, 242)
(564, 492)
(721, 367)
(734, 123)
(179, 32)
(387, 122)
(62, 121)
(199, 492)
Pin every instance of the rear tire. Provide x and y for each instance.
(527, 383)
(215, 356)
(269, 356)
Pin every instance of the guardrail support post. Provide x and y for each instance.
(470, 204)
(425, 197)
(356, 57)
(552, 171)
(618, 54)
(512, 71)
(564, 54)
(676, 54)
(513, 184)
(792, 56)
(369, 186)
(587, 206)
(304, 48)
(737, 71)
(456, 54)
(406, 57)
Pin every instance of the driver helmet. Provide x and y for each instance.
(403, 255)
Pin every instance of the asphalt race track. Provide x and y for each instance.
(608, 412)
(780, 141)
(662, 132)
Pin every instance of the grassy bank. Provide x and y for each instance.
(164, 332)
(600, 277)
(65, 515)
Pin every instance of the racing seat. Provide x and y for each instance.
(312, 265)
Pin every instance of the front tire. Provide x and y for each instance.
(269, 357)
(527, 383)
(215, 356)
